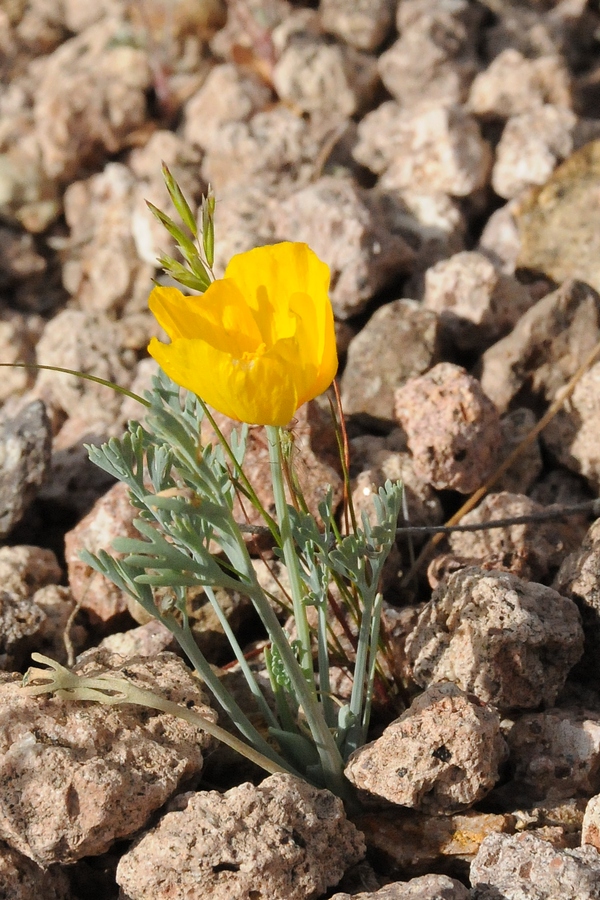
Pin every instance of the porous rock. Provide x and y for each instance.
(546, 346)
(532, 144)
(413, 843)
(25, 450)
(440, 756)
(432, 149)
(476, 303)
(22, 879)
(345, 227)
(512, 84)
(452, 428)
(509, 642)
(317, 76)
(525, 867)
(78, 777)
(275, 146)
(422, 503)
(579, 579)
(424, 887)
(85, 342)
(361, 23)
(590, 832)
(23, 571)
(111, 516)
(227, 95)
(524, 471)
(533, 550)
(433, 61)
(91, 97)
(400, 341)
(555, 754)
(284, 840)
(572, 435)
(18, 334)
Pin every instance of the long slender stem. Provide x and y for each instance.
(289, 553)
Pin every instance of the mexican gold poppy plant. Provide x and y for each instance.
(259, 342)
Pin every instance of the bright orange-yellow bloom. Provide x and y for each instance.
(259, 342)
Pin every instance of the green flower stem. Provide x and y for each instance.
(188, 645)
(289, 554)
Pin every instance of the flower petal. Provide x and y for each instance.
(259, 390)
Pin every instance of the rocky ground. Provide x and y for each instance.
(443, 157)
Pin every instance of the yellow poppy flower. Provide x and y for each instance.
(259, 342)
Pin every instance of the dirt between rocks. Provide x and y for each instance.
(443, 159)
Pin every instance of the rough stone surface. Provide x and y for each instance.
(440, 756)
(363, 24)
(525, 867)
(554, 220)
(476, 303)
(579, 578)
(422, 504)
(112, 516)
(524, 471)
(400, 341)
(22, 879)
(433, 61)
(227, 95)
(284, 840)
(315, 75)
(512, 85)
(78, 777)
(425, 887)
(572, 436)
(25, 449)
(316, 451)
(452, 428)
(533, 551)
(18, 334)
(532, 144)
(545, 348)
(437, 149)
(413, 843)
(509, 642)
(555, 754)
(89, 100)
(23, 571)
(85, 342)
(590, 832)
(275, 145)
(500, 240)
(345, 227)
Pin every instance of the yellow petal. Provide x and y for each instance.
(258, 390)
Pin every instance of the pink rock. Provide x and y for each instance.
(76, 778)
(424, 887)
(452, 428)
(512, 85)
(511, 865)
(362, 24)
(590, 833)
(400, 341)
(555, 754)
(476, 303)
(546, 346)
(22, 879)
(532, 551)
(284, 840)
(347, 228)
(440, 756)
(111, 517)
(431, 149)
(509, 642)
